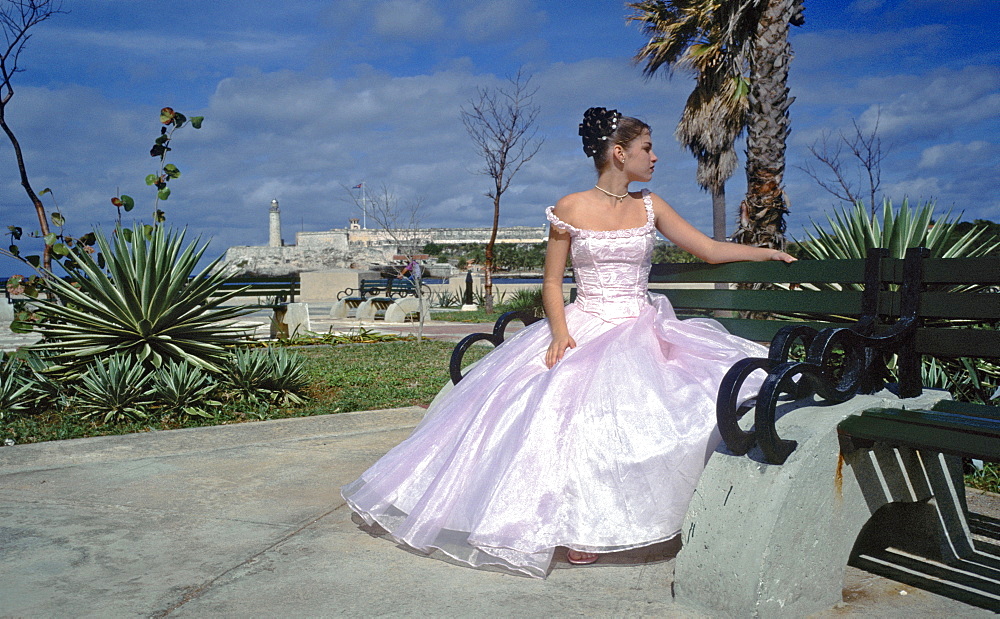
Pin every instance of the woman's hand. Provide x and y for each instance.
(557, 349)
(782, 256)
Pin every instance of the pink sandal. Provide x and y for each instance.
(577, 557)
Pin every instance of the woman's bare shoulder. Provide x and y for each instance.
(570, 204)
(660, 206)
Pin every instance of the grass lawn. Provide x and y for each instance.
(362, 377)
(345, 377)
(477, 315)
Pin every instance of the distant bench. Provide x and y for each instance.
(271, 292)
(392, 299)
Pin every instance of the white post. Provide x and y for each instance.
(364, 209)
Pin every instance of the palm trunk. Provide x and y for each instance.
(763, 221)
(719, 212)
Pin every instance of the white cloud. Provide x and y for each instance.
(935, 103)
(954, 154)
(415, 20)
(492, 20)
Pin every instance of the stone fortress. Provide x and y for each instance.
(357, 247)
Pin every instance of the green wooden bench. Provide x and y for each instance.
(873, 481)
(958, 305)
(271, 291)
(958, 309)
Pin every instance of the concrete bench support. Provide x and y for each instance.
(346, 308)
(769, 540)
(370, 308)
(290, 319)
(401, 308)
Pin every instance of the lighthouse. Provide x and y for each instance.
(275, 226)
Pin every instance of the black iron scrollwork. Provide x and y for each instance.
(860, 368)
(496, 338)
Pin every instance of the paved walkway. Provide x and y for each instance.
(245, 520)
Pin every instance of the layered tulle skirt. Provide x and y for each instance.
(601, 453)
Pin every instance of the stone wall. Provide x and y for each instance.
(285, 260)
(360, 248)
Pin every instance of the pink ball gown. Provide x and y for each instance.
(599, 454)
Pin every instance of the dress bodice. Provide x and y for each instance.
(611, 266)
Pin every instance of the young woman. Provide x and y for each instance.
(586, 431)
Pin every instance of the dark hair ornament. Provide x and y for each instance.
(598, 124)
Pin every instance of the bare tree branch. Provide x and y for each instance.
(865, 149)
(402, 223)
(501, 123)
(17, 18)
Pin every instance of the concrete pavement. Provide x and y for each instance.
(246, 520)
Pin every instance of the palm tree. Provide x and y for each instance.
(739, 52)
(762, 213)
(713, 41)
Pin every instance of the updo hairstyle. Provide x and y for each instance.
(601, 129)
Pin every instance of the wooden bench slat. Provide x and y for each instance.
(764, 330)
(975, 306)
(958, 342)
(803, 271)
(937, 419)
(981, 270)
(968, 408)
(844, 302)
(955, 439)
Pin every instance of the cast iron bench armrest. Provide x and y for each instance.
(816, 374)
(496, 338)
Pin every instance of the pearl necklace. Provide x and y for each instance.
(611, 195)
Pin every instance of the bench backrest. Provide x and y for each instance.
(264, 286)
(369, 287)
(961, 292)
(837, 296)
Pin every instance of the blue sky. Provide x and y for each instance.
(304, 97)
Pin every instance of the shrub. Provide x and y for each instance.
(149, 306)
(183, 388)
(526, 299)
(15, 389)
(118, 389)
(854, 232)
(271, 374)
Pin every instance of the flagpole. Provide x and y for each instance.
(364, 208)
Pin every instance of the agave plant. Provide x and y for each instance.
(149, 306)
(287, 380)
(115, 390)
(47, 391)
(184, 388)
(15, 389)
(272, 374)
(853, 233)
(529, 299)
